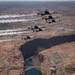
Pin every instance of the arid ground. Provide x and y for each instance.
(56, 44)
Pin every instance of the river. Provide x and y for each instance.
(30, 48)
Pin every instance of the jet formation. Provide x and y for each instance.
(47, 16)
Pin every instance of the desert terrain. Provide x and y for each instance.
(55, 46)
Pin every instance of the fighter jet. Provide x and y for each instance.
(46, 12)
(48, 17)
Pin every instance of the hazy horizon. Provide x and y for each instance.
(37, 0)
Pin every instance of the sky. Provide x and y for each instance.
(37, 0)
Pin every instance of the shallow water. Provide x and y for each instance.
(32, 71)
